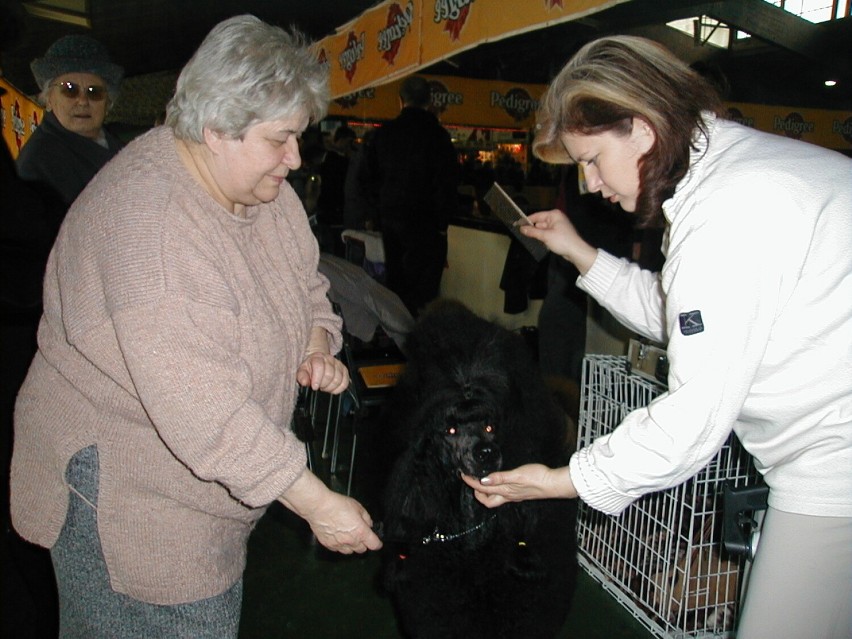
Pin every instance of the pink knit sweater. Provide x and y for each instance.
(170, 339)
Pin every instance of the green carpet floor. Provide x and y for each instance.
(294, 589)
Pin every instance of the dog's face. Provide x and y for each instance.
(468, 439)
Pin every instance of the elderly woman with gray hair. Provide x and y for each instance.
(182, 308)
(79, 83)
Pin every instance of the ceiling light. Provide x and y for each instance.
(830, 83)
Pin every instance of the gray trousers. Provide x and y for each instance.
(90, 609)
(800, 586)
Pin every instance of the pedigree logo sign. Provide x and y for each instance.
(398, 25)
(442, 97)
(18, 126)
(793, 126)
(453, 13)
(352, 54)
(349, 101)
(843, 129)
(738, 116)
(19, 117)
(322, 58)
(516, 102)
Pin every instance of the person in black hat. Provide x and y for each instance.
(79, 82)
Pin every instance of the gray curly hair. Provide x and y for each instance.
(246, 72)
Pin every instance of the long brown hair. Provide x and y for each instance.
(609, 82)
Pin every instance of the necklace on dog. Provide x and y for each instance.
(436, 536)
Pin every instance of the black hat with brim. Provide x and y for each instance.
(76, 54)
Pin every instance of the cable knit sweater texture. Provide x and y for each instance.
(170, 339)
(754, 303)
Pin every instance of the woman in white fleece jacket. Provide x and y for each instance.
(754, 302)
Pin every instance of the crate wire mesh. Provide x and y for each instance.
(661, 558)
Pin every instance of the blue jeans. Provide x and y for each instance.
(89, 608)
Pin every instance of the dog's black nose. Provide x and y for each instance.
(486, 453)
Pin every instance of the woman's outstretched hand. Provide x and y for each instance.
(531, 481)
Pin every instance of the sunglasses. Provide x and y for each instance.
(72, 90)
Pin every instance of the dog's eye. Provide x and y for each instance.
(489, 428)
(451, 430)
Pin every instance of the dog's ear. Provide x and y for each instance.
(418, 489)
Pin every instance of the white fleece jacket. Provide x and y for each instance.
(755, 304)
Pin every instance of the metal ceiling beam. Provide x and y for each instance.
(757, 17)
(766, 22)
(770, 23)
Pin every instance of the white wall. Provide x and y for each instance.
(475, 265)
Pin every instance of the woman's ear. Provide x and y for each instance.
(213, 139)
(643, 135)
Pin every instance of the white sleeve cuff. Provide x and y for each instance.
(593, 488)
(598, 279)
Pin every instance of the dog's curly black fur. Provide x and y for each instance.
(472, 400)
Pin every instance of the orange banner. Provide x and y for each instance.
(493, 104)
(383, 42)
(451, 26)
(831, 129)
(19, 117)
(398, 37)
(456, 101)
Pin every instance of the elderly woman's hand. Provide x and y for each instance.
(339, 522)
(320, 370)
(532, 481)
(343, 525)
(324, 372)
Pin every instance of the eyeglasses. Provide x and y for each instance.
(71, 90)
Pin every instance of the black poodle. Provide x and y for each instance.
(472, 400)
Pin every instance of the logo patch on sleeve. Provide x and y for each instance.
(691, 323)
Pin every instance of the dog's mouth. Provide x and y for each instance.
(486, 458)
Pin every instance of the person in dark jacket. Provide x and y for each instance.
(29, 221)
(332, 174)
(78, 82)
(411, 171)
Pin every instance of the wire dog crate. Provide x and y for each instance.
(661, 558)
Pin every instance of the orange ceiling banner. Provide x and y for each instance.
(398, 37)
(451, 26)
(19, 117)
(382, 43)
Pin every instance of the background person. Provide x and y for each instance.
(79, 83)
(182, 307)
(411, 173)
(758, 325)
(29, 221)
(332, 174)
(358, 212)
